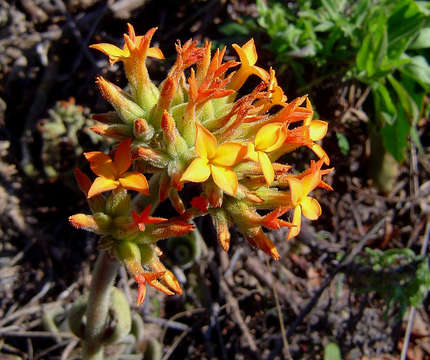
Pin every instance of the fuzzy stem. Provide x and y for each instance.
(98, 305)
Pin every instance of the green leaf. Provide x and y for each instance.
(385, 110)
(403, 25)
(332, 352)
(408, 105)
(332, 7)
(234, 29)
(363, 53)
(261, 7)
(373, 51)
(419, 70)
(343, 143)
(395, 137)
(422, 41)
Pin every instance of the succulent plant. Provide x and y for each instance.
(65, 135)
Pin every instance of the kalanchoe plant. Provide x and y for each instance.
(65, 134)
(195, 128)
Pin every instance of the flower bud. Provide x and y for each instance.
(103, 221)
(126, 108)
(118, 203)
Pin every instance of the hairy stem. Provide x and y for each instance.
(98, 305)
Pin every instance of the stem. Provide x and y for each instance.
(98, 305)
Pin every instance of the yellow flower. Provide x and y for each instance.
(276, 94)
(317, 130)
(302, 202)
(215, 160)
(113, 173)
(269, 137)
(248, 58)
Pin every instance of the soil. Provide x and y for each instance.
(233, 304)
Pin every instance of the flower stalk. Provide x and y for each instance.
(102, 281)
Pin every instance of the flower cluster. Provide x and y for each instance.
(194, 127)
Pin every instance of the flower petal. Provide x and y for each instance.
(122, 157)
(270, 137)
(155, 52)
(311, 181)
(251, 154)
(134, 181)
(101, 184)
(311, 208)
(296, 190)
(197, 171)
(247, 52)
(266, 166)
(229, 154)
(205, 142)
(317, 129)
(101, 164)
(297, 220)
(83, 180)
(114, 52)
(260, 72)
(319, 151)
(225, 179)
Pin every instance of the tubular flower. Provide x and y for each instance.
(301, 201)
(141, 219)
(317, 130)
(215, 160)
(269, 137)
(196, 126)
(134, 53)
(276, 94)
(248, 58)
(112, 173)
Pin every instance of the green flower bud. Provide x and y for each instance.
(118, 203)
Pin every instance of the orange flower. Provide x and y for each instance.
(143, 277)
(300, 187)
(131, 43)
(248, 57)
(134, 53)
(215, 160)
(113, 173)
(143, 218)
(269, 137)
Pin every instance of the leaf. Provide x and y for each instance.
(372, 54)
(233, 28)
(403, 25)
(419, 70)
(343, 143)
(395, 137)
(363, 53)
(332, 7)
(332, 352)
(407, 103)
(385, 110)
(422, 41)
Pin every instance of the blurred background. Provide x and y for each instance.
(343, 289)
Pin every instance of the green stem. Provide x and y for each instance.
(98, 305)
